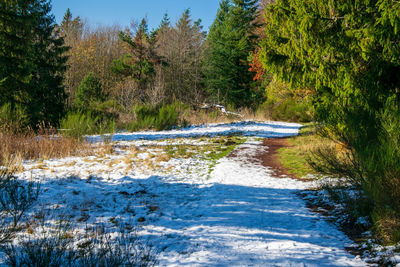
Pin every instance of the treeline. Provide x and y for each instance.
(74, 73)
(348, 54)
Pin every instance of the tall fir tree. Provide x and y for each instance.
(230, 40)
(15, 49)
(71, 27)
(32, 60)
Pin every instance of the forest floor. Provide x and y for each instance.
(208, 195)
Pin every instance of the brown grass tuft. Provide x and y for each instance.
(42, 145)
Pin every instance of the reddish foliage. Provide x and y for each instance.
(257, 67)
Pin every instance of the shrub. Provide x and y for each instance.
(79, 124)
(283, 103)
(168, 116)
(55, 246)
(88, 91)
(12, 119)
(16, 197)
(373, 166)
(158, 117)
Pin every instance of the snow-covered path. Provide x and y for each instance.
(244, 217)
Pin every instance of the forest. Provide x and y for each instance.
(332, 66)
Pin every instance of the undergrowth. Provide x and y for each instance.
(158, 117)
(78, 124)
(315, 152)
(42, 144)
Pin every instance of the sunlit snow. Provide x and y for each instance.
(234, 214)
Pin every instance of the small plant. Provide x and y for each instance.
(16, 198)
(12, 119)
(55, 246)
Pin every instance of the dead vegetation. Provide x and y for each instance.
(41, 145)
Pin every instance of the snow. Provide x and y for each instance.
(232, 214)
(246, 128)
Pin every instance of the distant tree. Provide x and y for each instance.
(230, 40)
(32, 60)
(139, 63)
(89, 91)
(181, 47)
(92, 49)
(71, 28)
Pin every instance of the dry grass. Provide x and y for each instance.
(387, 227)
(216, 116)
(295, 157)
(258, 115)
(42, 145)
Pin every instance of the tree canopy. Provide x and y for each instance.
(31, 60)
(230, 40)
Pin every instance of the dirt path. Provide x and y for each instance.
(246, 216)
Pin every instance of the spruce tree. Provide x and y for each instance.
(15, 51)
(230, 40)
(31, 60)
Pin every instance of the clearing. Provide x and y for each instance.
(197, 206)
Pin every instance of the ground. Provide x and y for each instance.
(197, 202)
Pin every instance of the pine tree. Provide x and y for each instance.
(32, 61)
(230, 40)
(139, 63)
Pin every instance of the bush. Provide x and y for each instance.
(16, 197)
(371, 162)
(283, 103)
(55, 246)
(12, 119)
(88, 91)
(158, 117)
(79, 124)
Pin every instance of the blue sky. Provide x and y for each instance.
(121, 12)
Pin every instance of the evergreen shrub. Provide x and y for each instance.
(77, 124)
(158, 117)
(12, 119)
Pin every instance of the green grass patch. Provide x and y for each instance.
(295, 156)
(215, 149)
(222, 147)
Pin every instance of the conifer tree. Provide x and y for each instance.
(89, 91)
(31, 60)
(139, 63)
(182, 49)
(71, 27)
(230, 40)
(348, 53)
